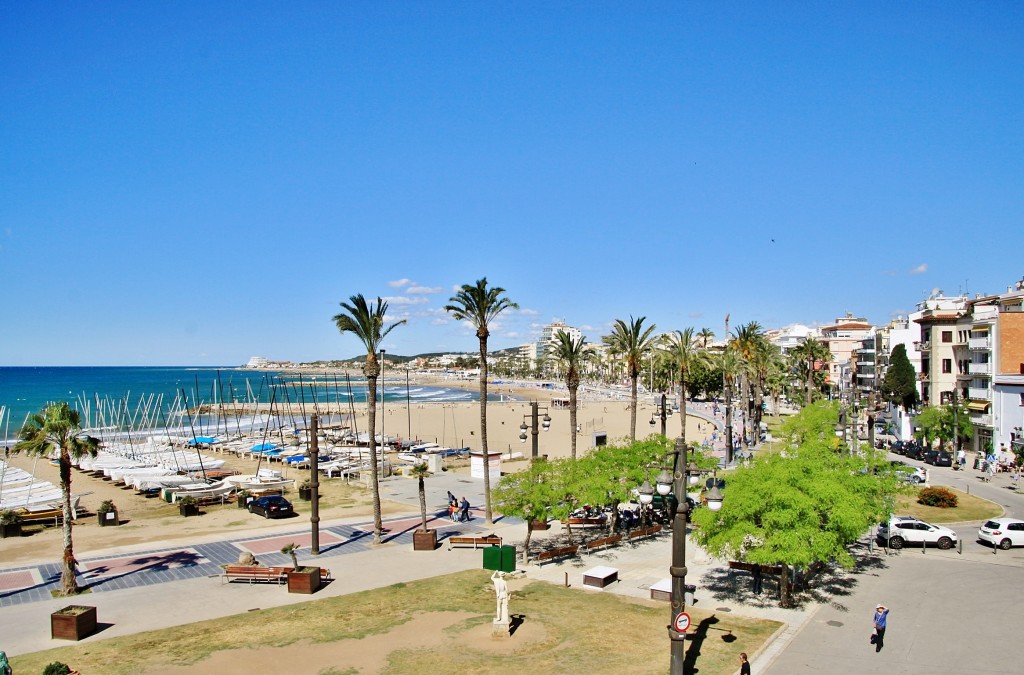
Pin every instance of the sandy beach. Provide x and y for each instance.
(454, 425)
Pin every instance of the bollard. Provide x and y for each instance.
(960, 546)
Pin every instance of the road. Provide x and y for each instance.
(949, 612)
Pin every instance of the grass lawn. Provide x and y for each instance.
(582, 631)
(969, 508)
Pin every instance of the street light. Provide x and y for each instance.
(663, 411)
(533, 415)
(683, 472)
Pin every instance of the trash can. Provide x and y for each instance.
(688, 592)
(508, 558)
(492, 558)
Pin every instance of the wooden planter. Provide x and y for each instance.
(424, 540)
(305, 494)
(108, 519)
(73, 622)
(10, 530)
(304, 580)
(188, 509)
(540, 525)
(243, 502)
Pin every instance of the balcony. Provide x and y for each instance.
(980, 368)
(923, 346)
(980, 343)
(982, 420)
(980, 394)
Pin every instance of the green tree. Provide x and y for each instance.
(420, 472)
(631, 342)
(681, 348)
(706, 335)
(480, 305)
(936, 423)
(572, 355)
(366, 322)
(58, 427)
(802, 508)
(733, 367)
(809, 353)
(899, 386)
(706, 378)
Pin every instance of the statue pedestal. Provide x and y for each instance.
(499, 628)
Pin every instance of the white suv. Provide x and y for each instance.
(1003, 532)
(902, 530)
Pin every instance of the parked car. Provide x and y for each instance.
(942, 458)
(902, 530)
(909, 474)
(1003, 532)
(271, 506)
(913, 451)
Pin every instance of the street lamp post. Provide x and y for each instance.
(682, 472)
(383, 407)
(534, 429)
(661, 411)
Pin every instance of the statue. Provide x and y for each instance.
(501, 622)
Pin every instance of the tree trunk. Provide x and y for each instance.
(728, 424)
(682, 409)
(632, 412)
(371, 394)
(785, 591)
(68, 580)
(572, 418)
(526, 544)
(483, 431)
(810, 379)
(423, 504)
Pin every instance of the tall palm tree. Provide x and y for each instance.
(58, 427)
(809, 353)
(733, 367)
(632, 343)
(572, 355)
(366, 322)
(765, 360)
(706, 335)
(681, 348)
(480, 305)
(747, 339)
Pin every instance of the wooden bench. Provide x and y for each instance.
(749, 567)
(586, 522)
(602, 543)
(56, 516)
(563, 552)
(644, 532)
(475, 542)
(254, 573)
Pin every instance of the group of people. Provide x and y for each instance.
(458, 511)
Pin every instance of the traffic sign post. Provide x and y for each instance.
(682, 622)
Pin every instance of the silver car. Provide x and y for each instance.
(1003, 532)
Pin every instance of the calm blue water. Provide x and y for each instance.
(138, 390)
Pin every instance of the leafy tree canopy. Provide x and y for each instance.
(899, 386)
(936, 423)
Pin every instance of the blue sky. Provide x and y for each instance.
(197, 183)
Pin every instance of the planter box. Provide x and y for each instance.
(108, 519)
(304, 580)
(73, 622)
(188, 509)
(306, 494)
(10, 530)
(540, 525)
(243, 502)
(424, 540)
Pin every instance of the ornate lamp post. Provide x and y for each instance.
(534, 430)
(663, 411)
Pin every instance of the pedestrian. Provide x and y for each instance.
(5, 666)
(961, 458)
(881, 616)
(744, 664)
(464, 517)
(758, 582)
(453, 508)
(451, 497)
(1016, 476)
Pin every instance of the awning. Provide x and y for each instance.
(978, 406)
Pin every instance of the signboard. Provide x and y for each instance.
(682, 622)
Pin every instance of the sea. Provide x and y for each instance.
(137, 395)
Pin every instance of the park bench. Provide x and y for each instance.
(54, 516)
(749, 567)
(586, 522)
(475, 542)
(642, 532)
(563, 552)
(602, 543)
(253, 573)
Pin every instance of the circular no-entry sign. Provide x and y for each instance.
(682, 622)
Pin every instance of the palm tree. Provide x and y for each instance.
(706, 335)
(733, 367)
(765, 360)
(681, 348)
(809, 353)
(632, 343)
(58, 427)
(366, 322)
(479, 305)
(572, 355)
(747, 339)
(420, 471)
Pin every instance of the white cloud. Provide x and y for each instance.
(696, 315)
(526, 311)
(399, 283)
(422, 290)
(438, 322)
(405, 300)
(920, 269)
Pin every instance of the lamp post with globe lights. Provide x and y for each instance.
(534, 427)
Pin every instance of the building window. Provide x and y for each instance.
(947, 365)
(947, 336)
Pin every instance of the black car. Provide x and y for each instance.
(942, 458)
(912, 451)
(272, 506)
(928, 456)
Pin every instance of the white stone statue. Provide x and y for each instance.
(501, 593)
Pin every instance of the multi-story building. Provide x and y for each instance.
(790, 337)
(842, 338)
(549, 337)
(937, 317)
(991, 368)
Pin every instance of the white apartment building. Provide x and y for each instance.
(937, 318)
(842, 338)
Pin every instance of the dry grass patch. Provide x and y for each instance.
(563, 630)
(969, 508)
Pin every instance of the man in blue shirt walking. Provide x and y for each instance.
(881, 614)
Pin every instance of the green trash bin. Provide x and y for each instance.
(492, 558)
(508, 558)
